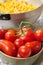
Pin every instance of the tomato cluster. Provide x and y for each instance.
(22, 43)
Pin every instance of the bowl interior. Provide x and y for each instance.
(35, 2)
(2, 53)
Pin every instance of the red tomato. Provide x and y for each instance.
(28, 44)
(24, 51)
(38, 35)
(2, 33)
(10, 35)
(18, 42)
(35, 46)
(27, 36)
(18, 56)
(8, 48)
(12, 30)
(20, 31)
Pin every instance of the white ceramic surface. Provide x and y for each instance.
(28, 16)
(8, 60)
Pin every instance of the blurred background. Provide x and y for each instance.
(4, 17)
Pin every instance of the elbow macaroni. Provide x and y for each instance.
(14, 6)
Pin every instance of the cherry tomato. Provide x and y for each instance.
(27, 35)
(38, 35)
(24, 51)
(35, 46)
(18, 56)
(18, 42)
(28, 44)
(2, 33)
(8, 48)
(10, 35)
(20, 30)
(12, 30)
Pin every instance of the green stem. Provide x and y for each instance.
(26, 23)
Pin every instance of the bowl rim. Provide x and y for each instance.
(29, 11)
(22, 58)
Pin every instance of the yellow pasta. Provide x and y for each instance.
(14, 6)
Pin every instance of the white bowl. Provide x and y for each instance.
(28, 16)
(8, 60)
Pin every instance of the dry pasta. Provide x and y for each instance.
(14, 6)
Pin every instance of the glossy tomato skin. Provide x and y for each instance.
(28, 44)
(20, 30)
(10, 35)
(28, 35)
(38, 35)
(2, 33)
(35, 46)
(12, 30)
(24, 51)
(18, 56)
(8, 48)
(18, 42)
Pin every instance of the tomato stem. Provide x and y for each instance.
(26, 23)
